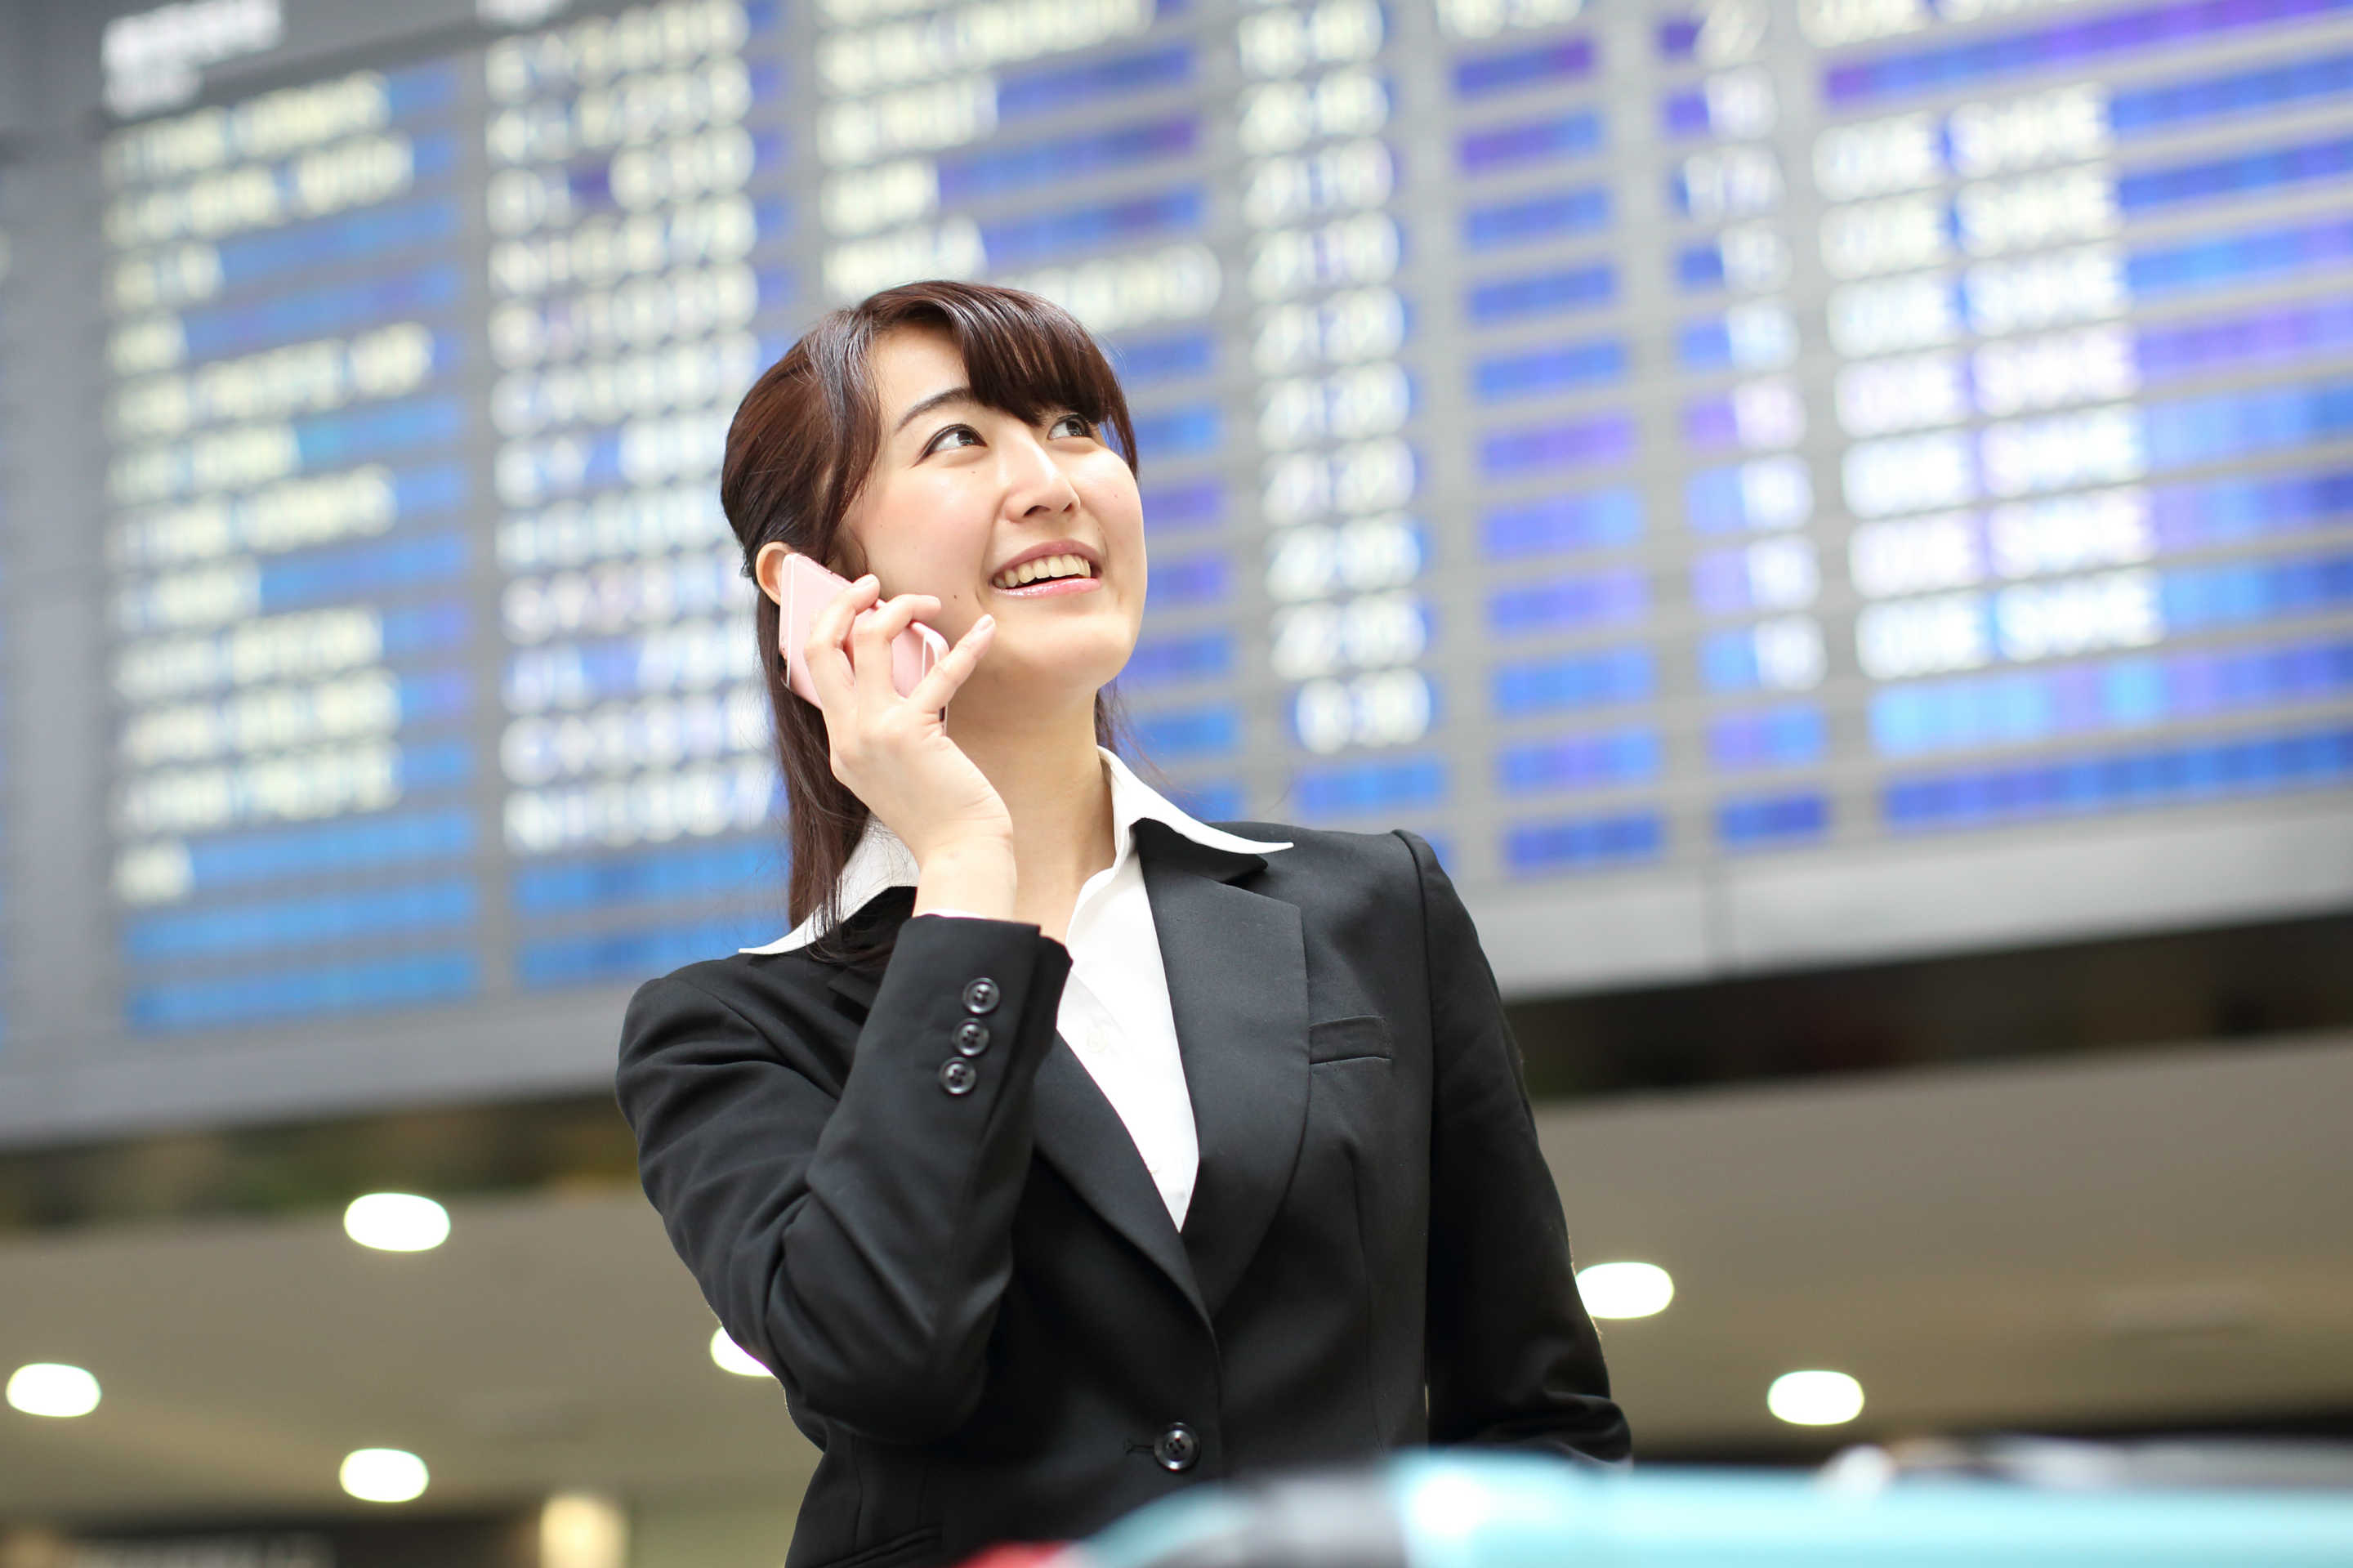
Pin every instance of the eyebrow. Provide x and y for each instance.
(937, 400)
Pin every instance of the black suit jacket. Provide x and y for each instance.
(976, 1302)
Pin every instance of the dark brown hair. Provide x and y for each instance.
(798, 453)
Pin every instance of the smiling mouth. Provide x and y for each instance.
(1046, 569)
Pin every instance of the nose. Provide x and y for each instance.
(1034, 481)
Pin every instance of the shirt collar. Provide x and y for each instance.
(882, 860)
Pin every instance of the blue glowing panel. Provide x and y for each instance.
(1595, 442)
(1582, 843)
(1053, 89)
(1186, 734)
(1796, 736)
(1605, 678)
(1608, 760)
(1018, 241)
(1524, 143)
(1190, 431)
(1566, 368)
(1754, 821)
(2127, 780)
(2021, 707)
(1555, 524)
(1981, 63)
(1524, 220)
(1388, 784)
(295, 991)
(978, 175)
(1587, 286)
(1568, 603)
(1173, 356)
(620, 958)
(1196, 503)
(1178, 659)
(1518, 69)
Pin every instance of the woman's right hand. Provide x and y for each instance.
(893, 752)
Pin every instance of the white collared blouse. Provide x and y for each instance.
(1114, 1012)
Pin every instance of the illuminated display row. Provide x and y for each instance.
(1520, 465)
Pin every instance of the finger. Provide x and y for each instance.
(894, 614)
(830, 625)
(871, 636)
(828, 661)
(941, 683)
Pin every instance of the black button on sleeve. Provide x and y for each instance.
(1178, 1449)
(971, 1037)
(980, 995)
(958, 1076)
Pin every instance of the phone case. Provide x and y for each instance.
(810, 588)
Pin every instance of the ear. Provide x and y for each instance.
(769, 569)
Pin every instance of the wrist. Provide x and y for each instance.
(974, 875)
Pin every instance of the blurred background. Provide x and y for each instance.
(1834, 516)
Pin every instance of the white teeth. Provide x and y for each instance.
(1044, 567)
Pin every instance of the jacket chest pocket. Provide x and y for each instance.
(1353, 1091)
(1365, 1038)
(1359, 1173)
(1354, 1114)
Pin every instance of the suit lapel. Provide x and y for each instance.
(1078, 1133)
(1076, 1130)
(1237, 968)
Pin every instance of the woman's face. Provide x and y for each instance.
(959, 492)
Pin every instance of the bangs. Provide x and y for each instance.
(1022, 354)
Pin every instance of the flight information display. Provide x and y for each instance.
(8, 392)
(1755, 484)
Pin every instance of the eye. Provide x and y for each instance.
(952, 437)
(1070, 425)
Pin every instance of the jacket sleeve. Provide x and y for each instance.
(856, 1245)
(1511, 1356)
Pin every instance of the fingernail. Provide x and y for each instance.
(984, 621)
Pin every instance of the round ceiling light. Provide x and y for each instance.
(52, 1388)
(1625, 1289)
(1815, 1398)
(397, 1221)
(383, 1474)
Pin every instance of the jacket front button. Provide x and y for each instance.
(958, 1076)
(1177, 1449)
(971, 1037)
(980, 995)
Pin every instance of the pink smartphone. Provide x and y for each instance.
(810, 588)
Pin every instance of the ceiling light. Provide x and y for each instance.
(49, 1388)
(383, 1474)
(581, 1530)
(1815, 1398)
(397, 1221)
(1625, 1289)
(729, 1356)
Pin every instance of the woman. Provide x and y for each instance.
(1069, 1150)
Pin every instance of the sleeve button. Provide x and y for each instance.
(1177, 1449)
(971, 1037)
(958, 1076)
(980, 995)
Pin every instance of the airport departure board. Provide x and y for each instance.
(1755, 484)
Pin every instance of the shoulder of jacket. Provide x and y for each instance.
(1373, 842)
(1381, 857)
(734, 979)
